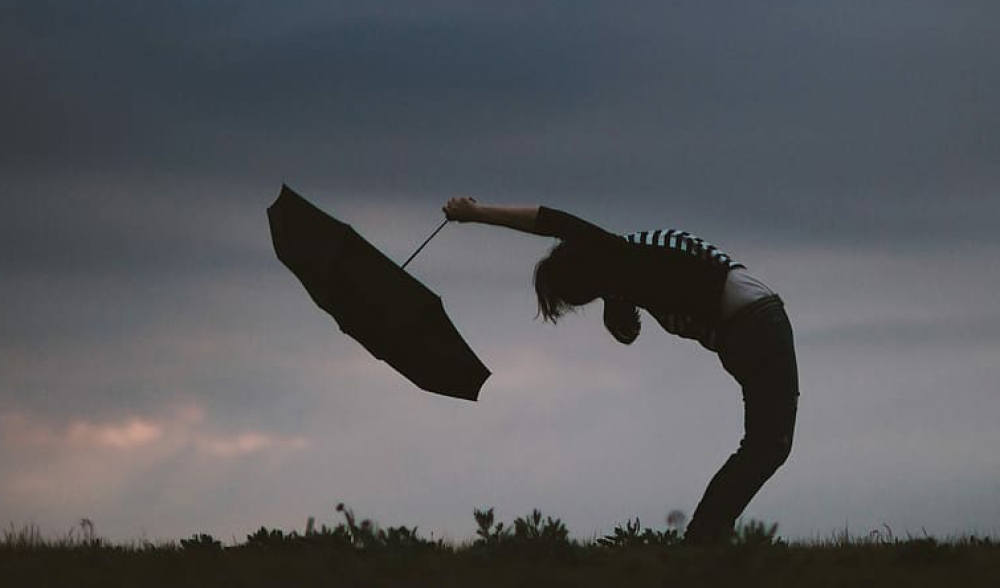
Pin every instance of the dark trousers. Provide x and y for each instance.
(756, 347)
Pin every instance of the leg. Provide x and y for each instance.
(760, 353)
(743, 474)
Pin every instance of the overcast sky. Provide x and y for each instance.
(161, 373)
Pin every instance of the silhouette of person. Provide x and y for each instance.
(693, 290)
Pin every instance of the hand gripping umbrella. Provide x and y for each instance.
(395, 317)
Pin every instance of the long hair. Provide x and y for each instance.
(565, 279)
(555, 275)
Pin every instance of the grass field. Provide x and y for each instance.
(533, 551)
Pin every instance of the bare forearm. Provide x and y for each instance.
(521, 218)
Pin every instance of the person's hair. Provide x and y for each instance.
(567, 278)
(562, 282)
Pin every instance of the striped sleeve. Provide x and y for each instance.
(684, 241)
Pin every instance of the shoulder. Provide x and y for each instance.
(568, 227)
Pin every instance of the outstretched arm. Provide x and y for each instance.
(521, 218)
(537, 220)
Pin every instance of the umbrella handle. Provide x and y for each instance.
(426, 241)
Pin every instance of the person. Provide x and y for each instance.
(693, 290)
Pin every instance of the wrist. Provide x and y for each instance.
(479, 213)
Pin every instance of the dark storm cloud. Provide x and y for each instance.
(113, 101)
(769, 99)
(842, 122)
(184, 82)
(854, 122)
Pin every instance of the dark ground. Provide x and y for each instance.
(911, 563)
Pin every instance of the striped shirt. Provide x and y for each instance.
(678, 323)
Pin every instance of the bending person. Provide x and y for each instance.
(693, 290)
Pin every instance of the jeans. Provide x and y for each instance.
(757, 348)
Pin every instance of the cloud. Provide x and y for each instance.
(64, 470)
(128, 435)
(248, 443)
(184, 429)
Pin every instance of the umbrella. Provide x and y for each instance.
(394, 316)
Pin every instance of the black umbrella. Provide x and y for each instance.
(395, 317)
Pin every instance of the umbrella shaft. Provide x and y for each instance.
(426, 241)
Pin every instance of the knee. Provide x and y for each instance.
(769, 453)
(783, 448)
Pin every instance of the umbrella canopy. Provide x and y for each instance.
(395, 317)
